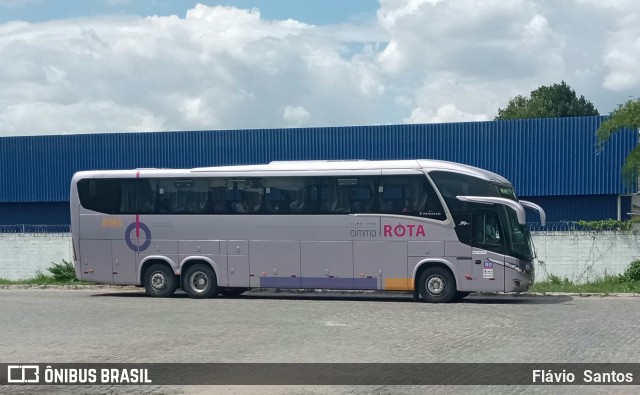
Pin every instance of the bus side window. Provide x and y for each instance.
(253, 200)
(346, 195)
(276, 201)
(300, 201)
(340, 202)
(219, 204)
(487, 230)
(409, 195)
(233, 198)
(137, 196)
(390, 198)
(182, 196)
(362, 198)
(290, 195)
(334, 196)
(195, 197)
(326, 197)
(98, 194)
(244, 196)
(428, 203)
(312, 197)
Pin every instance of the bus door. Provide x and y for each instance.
(488, 250)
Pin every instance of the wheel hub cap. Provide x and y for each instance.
(199, 281)
(158, 281)
(435, 285)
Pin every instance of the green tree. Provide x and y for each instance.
(627, 115)
(557, 100)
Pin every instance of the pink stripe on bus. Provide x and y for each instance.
(138, 215)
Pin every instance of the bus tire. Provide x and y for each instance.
(459, 296)
(160, 281)
(200, 281)
(437, 285)
(232, 291)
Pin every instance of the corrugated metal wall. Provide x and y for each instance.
(575, 208)
(52, 213)
(542, 157)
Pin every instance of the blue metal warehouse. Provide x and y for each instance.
(553, 162)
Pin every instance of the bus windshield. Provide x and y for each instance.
(452, 185)
(455, 184)
(520, 244)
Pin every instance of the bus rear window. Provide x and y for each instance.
(98, 194)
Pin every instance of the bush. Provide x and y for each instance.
(633, 271)
(607, 225)
(555, 280)
(63, 272)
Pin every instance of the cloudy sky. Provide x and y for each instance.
(77, 66)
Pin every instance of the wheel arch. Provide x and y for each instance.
(427, 263)
(151, 260)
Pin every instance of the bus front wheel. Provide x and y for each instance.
(437, 285)
(460, 295)
(159, 281)
(200, 282)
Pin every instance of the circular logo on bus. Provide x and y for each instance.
(140, 243)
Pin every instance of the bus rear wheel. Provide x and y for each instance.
(160, 281)
(437, 285)
(200, 282)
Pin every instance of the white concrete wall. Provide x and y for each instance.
(23, 254)
(584, 256)
(578, 256)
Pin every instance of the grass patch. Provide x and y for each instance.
(606, 284)
(43, 279)
(628, 282)
(61, 274)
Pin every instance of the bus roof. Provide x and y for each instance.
(342, 165)
(313, 166)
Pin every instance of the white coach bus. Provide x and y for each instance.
(440, 229)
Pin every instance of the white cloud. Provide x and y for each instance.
(436, 102)
(462, 35)
(492, 50)
(622, 58)
(218, 67)
(296, 116)
(52, 118)
(447, 113)
(224, 67)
